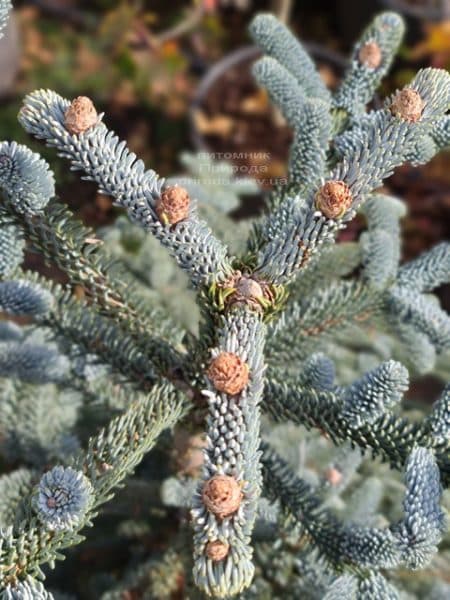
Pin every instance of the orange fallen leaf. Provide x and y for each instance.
(256, 103)
(437, 40)
(220, 125)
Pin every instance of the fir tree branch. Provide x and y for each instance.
(283, 88)
(311, 122)
(411, 541)
(311, 320)
(352, 587)
(430, 270)
(437, 424)
(381, 243)
(441, 134)
(334, 263)
(11, 245)
(330, 177)
(14, 487)
(74, 249)
(37, 423)
(111, 456)
(388, 436)
(74, 322)
(370, 61)
(231, 458)
(384, 142)
(375, 298)
(32, 363)
(277, 41)
(99, 154)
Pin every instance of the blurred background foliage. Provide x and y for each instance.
(148, 64)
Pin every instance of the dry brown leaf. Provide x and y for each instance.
(437, 40)
(256, 103)
(220, 125)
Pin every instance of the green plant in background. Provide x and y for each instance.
(276, 509)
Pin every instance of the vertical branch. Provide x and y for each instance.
(225, 504)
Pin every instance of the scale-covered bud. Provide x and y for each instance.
(173, 205)
(80, 116)
(408, 105)
(333, 199)
(222, 495)
(228, 373)
(217, 550)
(370, 55)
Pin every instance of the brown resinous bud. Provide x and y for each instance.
(228, 373)
(80, 116)
(217, 550)
(246, 290)
(333, 476)
(333, 199)
(173, 205)
(222, 495)
(370, 55)
(408, 105)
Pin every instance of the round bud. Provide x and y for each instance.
(217, 550)
(249, 288)
(222, 495)
(334, 199)
(173, 205)
(333, 476)
(80, 116)
(228, 373)
(51, 502)
(408, 105)
(370, 55)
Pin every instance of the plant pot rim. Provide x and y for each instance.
(243, 54)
